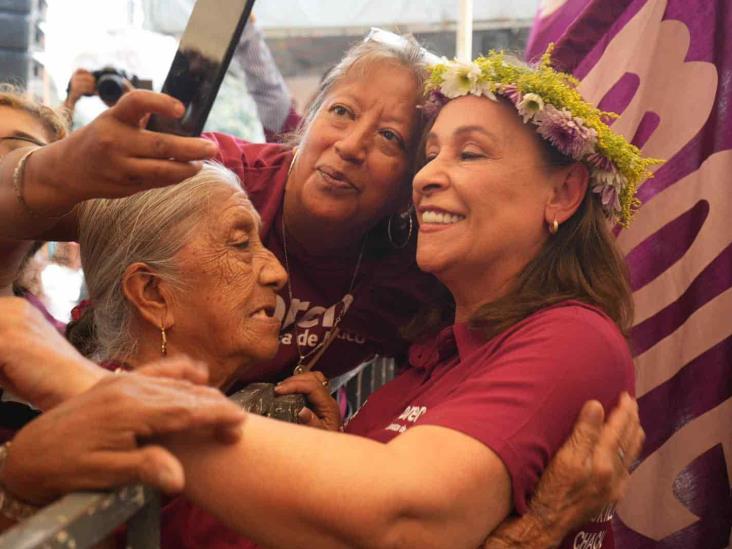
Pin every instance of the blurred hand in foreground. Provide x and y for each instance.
(105, 436)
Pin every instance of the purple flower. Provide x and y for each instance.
(568, 134)
(608, 184)
(596, 160)
(512, 92)
(610, 199)
(435, 101)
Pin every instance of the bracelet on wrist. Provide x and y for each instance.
(11, 507)
(18, 181)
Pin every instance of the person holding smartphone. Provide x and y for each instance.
(336, 211)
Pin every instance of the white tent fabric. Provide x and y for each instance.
(169, 16)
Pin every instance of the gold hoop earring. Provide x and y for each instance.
(554, 226)
(163, 341)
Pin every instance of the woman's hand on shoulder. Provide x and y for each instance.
(114, 156)
(323, 412)
(589, 474)
(105, 437)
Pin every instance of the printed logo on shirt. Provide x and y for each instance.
(410, 415)
(593, 539)
(606, 515)
(312, 324)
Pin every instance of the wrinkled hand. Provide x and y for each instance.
(96, 440)
(590, 472)
(583, 479)
(113, 156)
(37, 364)
(82, 83)
(314, 385)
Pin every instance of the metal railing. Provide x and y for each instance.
(83, 519)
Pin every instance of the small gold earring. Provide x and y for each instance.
(163, 341)
(554, 226)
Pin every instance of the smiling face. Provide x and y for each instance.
(480, 198)
(225, 313)
(354, 158)
(19, 128)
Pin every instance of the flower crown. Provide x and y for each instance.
(549, 99)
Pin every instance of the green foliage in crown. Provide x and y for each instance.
(549, 100)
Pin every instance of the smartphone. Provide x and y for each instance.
(204, 52)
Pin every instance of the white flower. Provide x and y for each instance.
(461, 79)
(488, 89)
(604, 178)
(530, 105)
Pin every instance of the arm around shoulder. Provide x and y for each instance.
(336, 490)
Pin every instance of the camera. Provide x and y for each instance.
(110, 83)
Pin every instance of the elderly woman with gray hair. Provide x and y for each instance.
(179, 270)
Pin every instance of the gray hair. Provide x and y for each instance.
(406, 53)
(150, 227)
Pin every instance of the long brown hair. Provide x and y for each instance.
(580, 262)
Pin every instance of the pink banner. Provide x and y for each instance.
(666, 67)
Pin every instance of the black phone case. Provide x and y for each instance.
(195, 79)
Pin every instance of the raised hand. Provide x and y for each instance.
(82, 83)
(113, 157)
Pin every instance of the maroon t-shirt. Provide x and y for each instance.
(519, 393)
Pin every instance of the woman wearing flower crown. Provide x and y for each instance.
(355, 136)
(519, 179)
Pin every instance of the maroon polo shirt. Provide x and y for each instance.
(518, 393)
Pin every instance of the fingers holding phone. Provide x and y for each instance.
(113, 156)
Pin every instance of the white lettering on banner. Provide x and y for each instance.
(348, 336)
(588, 540)
(396, 427)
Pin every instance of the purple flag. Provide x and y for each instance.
(666, 67)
